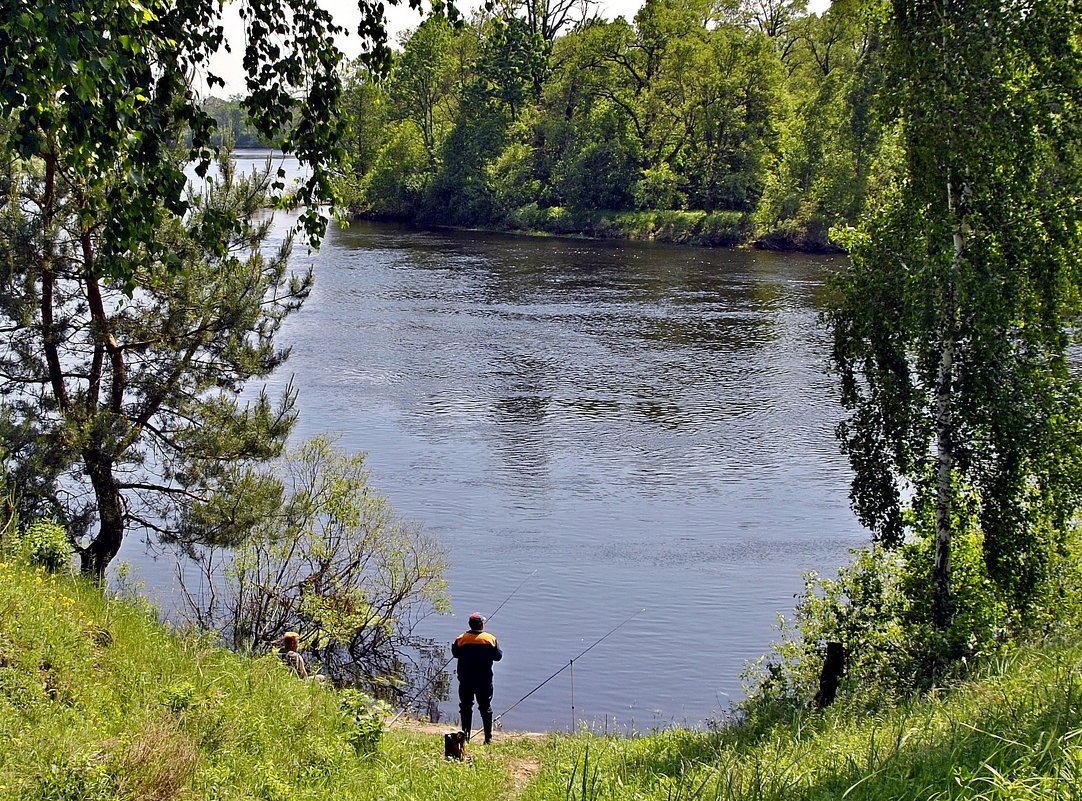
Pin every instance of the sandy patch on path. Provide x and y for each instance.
(522, 771)
(439, 729)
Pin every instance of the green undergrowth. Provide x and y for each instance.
(717, 229)
(1013, 732)
(100, 701)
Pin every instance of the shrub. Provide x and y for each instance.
(879, 609)
(724, 229)
(395, 185)
(46, 544)
(82, 778)
(333, 561)
(658, 189)
(366, 716)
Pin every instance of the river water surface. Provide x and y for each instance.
(647, 427)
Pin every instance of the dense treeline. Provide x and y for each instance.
(233, 126)
(697, 121)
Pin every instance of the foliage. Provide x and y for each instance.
(121, 410)
(394, 186)
(658, 189)
(99, 94)
(536, 108)
(833, 146)
(82, 719)
(951, 325)
(153, 715)
(330, 559)
(231, 125)
(44, 543)
(880, 609)
(367, 716)
(1008, 731)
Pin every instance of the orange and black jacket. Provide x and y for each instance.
(475, 652)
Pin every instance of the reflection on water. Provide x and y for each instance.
(647, 427)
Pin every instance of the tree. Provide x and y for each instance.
(329, 558)
(98, 94)
(951, 325)
(734, 111)
(122, 410)
(512, 66)
(547, 18)
(832, 145)
(422, 83)
(96, 99)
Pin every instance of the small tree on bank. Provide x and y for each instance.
(107, 406)
(329, 558)
(952, 323)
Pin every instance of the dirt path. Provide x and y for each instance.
(424, 727)
(522, 770)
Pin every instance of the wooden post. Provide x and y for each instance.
(833, 667)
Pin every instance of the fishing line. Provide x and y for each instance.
(571, 662)
(443, 667)
(572, 696)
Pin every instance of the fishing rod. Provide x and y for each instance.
(570, 662)
(443, 667)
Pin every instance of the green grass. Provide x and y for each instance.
(1014, 733)
(99, 701)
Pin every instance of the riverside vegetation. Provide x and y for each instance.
(711, 123)
(136, 312)
(99, 700)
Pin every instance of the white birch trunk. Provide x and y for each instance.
(942, 613)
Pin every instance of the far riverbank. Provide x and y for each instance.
(719, 229)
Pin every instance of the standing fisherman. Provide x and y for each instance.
(475, 651)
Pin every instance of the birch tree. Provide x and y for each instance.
(952, 324)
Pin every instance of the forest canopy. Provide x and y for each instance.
(724, 122)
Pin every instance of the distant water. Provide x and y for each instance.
(647, 427)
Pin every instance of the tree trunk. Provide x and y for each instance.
(941, 571)
(942, 613)
(96, 557)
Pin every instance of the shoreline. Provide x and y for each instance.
(658, 234)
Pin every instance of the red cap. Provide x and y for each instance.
(477, 620)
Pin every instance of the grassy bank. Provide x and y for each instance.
(99, 701)
(696, 228)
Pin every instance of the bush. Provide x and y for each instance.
(45, 544)
(333, 561)
(395, 185)
(717, 229)
(366, 718)
(659, 188)
(879, 609)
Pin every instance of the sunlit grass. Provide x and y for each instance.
(1015, 733)
(100, 701)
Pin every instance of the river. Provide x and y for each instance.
(646, 427)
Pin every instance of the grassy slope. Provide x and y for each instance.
(97, 701)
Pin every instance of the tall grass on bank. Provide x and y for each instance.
(1016, 733)
(100, 701)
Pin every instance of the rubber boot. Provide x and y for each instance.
(467, 721)
(486, 719)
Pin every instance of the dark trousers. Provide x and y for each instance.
(483, 693)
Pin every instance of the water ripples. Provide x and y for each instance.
(645, 426)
